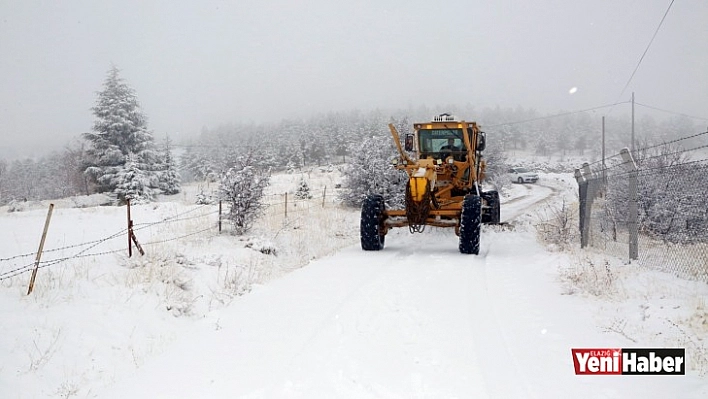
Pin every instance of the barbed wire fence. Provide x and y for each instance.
(650, 206)
(277, 205)
(10, 263)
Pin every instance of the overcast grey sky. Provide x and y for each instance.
(204, 63)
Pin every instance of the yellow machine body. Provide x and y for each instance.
(438, 179)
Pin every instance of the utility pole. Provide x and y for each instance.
(603, 151)
(632, 144)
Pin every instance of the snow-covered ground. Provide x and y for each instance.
(209, 315)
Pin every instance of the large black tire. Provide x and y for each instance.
(482, 142)
(372, 210)
(493, 214)
(470, 224)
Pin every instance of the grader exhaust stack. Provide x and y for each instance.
(443, 189)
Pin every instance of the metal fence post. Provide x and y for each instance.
(582, 194)
(632, 216)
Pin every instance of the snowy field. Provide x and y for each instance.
(296, 309)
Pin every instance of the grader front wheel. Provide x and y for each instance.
(372, 210)
(470, 224)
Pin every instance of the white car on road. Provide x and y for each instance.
(522, 175)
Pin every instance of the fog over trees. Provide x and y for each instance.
(120, 134)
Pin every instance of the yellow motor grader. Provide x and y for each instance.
(443, 160)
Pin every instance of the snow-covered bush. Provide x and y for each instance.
(291, 167)
(370, 172)
(558, 225)
(242, 187)
(303, 190)
(263, 246)
(204, 198)
(587, 276)
(17, 206)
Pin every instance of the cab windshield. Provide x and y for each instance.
(438, 140)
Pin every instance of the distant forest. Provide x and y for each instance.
(330, 138)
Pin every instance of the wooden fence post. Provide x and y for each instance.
(324, 195)
(219, 216)
(132, 239)
(130, 230)
(137, 244)
(286, 204)
(39, 251)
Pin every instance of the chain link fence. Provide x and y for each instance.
(649, 207)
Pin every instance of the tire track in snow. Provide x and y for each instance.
(371, 277)
(501, 366)
(538, 194)
(402, 333)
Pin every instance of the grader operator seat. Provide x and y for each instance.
(454, 148)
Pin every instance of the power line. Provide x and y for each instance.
(664, 143)
(555, 115)
(671, 112)
(646, 50)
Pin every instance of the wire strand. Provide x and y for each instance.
(646, 50)
(555, 115)
(652, 147)
(670, 112)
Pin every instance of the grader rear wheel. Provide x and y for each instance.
(493, 214)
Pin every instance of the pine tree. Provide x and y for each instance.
(303, 190)
(134, 182)
(170, 181)
(120, 132)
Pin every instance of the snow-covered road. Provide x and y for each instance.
(535, 195)
(417, 319)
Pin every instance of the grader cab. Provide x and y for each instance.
(444, 163)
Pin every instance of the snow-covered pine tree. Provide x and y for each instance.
(200, 164)
(170, 181)
(134, 182)
(242, 186)
(120, 129)
(303, 190)
(370, 172)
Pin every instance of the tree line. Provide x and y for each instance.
(120, 156)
